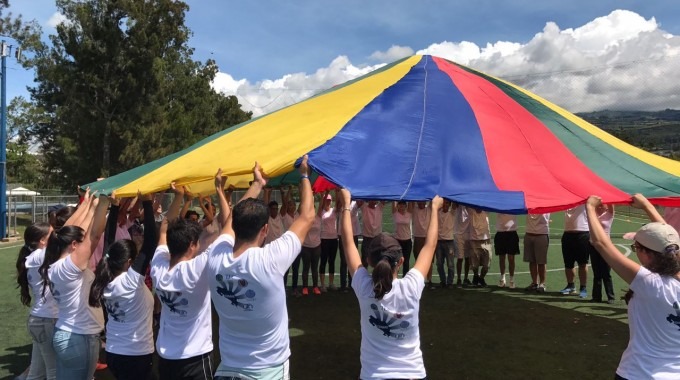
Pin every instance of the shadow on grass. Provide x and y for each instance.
(469, 334)
(14, 360)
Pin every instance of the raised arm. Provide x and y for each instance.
(143, 259)
(301, 225)
(347, 234)
(81, 212)
(173, 213)
(207, 212)
(256, 186)
(188, 200)
(111, 222)
(82, 253)
(639, 201)
(225, 210)
(626, 268)
(424, 259)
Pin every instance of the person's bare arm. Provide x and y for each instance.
(347, 234)
(173, 213)
(225, 211)
(304, 222)
(81, 255)
(257, 185)
(424, 260)
(80, 214)
(626, 268)
(642, 203)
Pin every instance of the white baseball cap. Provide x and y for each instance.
(657, 236)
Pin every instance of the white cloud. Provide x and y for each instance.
(394, 53)
(618, 61)
(56, 19)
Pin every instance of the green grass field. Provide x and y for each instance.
(487, 333)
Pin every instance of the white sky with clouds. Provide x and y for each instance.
(582, 56)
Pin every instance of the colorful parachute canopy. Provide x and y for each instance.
(423, 126)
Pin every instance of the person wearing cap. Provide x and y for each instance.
(389, 306)
(653, 351)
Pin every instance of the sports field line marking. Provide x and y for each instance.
(11, 246)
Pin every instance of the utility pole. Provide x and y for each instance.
(4, 51)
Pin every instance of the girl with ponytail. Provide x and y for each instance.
(64, 273)
(390, 337)
(43, 314)
(119, 286)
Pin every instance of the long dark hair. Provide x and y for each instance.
(382, 276)
(58, 241)
(109, 267)
(32, 236)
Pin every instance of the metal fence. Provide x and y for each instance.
(23, 208)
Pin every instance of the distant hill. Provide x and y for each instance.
(657, 132)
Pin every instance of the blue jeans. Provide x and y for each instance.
(77, 355)
(446, 250)
(43, 362)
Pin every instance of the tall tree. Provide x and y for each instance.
(23, 164)
(119, 88)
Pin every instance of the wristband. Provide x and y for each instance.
(347, 209)
(303, 177)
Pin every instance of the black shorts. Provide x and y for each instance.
(576, 248)
(506, 243)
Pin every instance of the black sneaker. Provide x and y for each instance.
(531, 287)
(475, 280)
(431, 285)
(481, 283)
(466, 283)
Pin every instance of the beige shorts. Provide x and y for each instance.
(481, 253)
(463, 248)
(536, 248)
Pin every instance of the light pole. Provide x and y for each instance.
(4, 51)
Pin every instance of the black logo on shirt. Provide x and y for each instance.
(388, 322)
(114, 311)
(234, 290)
(172, 300)
(675, 319)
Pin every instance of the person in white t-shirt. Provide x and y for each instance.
(246, 287)
(536, 244)
(576, 249)
(601, 270)
(371, 224)
(480, 245)
(402, 216)
(65, 271)
(421, 219)
(389, 306)
(43, 313)
(184, 343)
(506, 243)
(653, 351)
(119, 286)
(461, 238)
(329, 241)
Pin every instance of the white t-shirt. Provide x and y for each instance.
(421, 220)
(275, 229)
(576, 219)
(445, 224)
(371, 219)
(538, 224)
(129, 304)
(71, 289)
(480, 225)
(506, 222)
(606, 219)
(44, 307)
(185, 329)
(390, 337)
(354, 214)
(653, 351)
(462, 222)
(329, 224)
(313, 238)
(250, 299)
(402, 223)
(288, 220)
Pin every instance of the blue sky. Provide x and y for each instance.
(268, 50)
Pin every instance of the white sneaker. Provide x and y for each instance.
(501, 283)
(512, 283)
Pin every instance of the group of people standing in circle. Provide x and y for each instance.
(238, 265)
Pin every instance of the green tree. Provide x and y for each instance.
(23, 164)
(119, 88)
